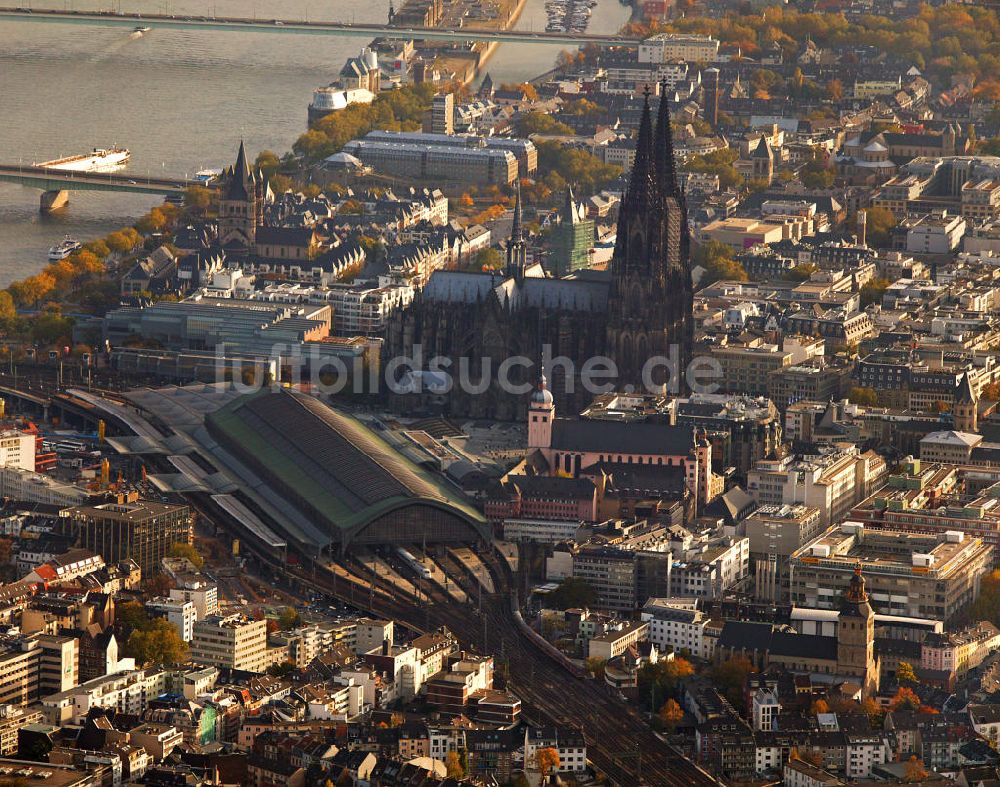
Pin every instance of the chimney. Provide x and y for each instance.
(385, 647)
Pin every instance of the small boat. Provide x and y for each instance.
(64, 249)
(141, 29)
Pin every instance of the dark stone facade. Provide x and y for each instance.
(641, 307)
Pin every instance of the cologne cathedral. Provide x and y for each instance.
(640, 307)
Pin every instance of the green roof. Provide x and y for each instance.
(329, 460)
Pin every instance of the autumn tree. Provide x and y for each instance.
(123, 241)
(904, 698)
(547, 760)
(867, 397)
(915, 771)
(158, 585)
(453, 766)
(198, 199)
(873, 711)
(878, 226)
(158, 642)
(717, 260)
(818, 706)
(529, 90)
(289, 618)
(181, 549)
(730, 677)
(905, 673)
(670, 714)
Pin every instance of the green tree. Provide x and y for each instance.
(159, 643)
(529, 123)
(801, 272)
(559, 164)
(488, 259)
(905, 673)
(180, 549)
(878, 226)
(8, 312)
(873, 290)
(282, 670)
(50, 327)
(717, 260)
(573, 593)
(289, 618)
(596, 667)
(867, 397)
(718, 162)
(817, 175)
(268, 162)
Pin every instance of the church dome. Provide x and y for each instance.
(542, 395)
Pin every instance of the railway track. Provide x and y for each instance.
(619, 741)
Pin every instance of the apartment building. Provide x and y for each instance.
(611, 573)
(832, 481)
(125, 692)
(200, 592)
(678, 628)
(746, 368)
(182, 615)
(691, 47)
(233, 642)
(614, 643)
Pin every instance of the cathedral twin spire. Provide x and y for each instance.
(654, 167)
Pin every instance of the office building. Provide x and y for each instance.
(233, 642)
(909, 574)
(142, 531)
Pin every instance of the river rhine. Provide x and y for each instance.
(179, 100)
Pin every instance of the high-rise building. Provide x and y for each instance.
(710, 85)
(443, 114)
(141, 531)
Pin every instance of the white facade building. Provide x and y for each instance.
(678, 628)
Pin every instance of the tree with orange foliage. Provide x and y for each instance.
(547, 760)
(915, 771)
(819, 706)
(905, 698)
(671, 714)
(873, 711)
